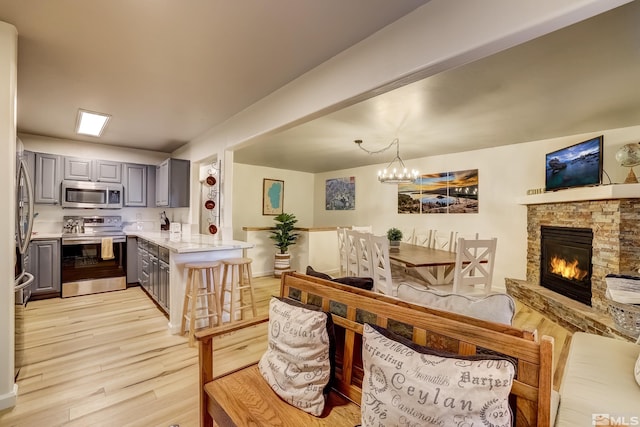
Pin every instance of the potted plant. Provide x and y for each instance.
(284, 237)
(395, 236)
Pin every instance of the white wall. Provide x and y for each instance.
(247, 208)
(8, 83)
(505, 173)
(247, 199)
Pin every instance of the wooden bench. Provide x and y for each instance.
(243, 398)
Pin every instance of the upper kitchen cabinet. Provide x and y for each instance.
(78, 169)
(172, 183)
(107, 171)
(48, 179)
(135, 184)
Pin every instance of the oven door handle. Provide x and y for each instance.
(89, 240)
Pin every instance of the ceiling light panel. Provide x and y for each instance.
(91, 123)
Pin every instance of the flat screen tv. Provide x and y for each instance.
(578, 165)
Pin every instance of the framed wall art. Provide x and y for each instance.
(272, 196)
(340, 194)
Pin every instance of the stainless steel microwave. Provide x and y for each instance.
(93, 195)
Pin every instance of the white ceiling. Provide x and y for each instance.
(583, 78)
(167, 71)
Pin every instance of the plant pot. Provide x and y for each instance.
(394, 245)
(282, 264)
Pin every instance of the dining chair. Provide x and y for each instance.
(382, 280)
(474, 265)
(362, 229)
(408, 235)
(363, 253)
(467, 236)
(352, 252)
(342, 249)
(425, 238)
(444, 241)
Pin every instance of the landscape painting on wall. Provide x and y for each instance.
(340, 194)
(446, 192)
(434, 193)
(463, 191)
(409, 198)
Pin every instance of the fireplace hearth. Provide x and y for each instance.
(565, 261)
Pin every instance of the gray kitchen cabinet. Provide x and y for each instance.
(78, 169)
(132, 259)
(172, 183)
(47, 179)
(139, 261)
(145, 269)
(163, 286)
(44, 264)
(163, 278)
(153, 271)
(135, 184)
(107, 171)
(151, 186)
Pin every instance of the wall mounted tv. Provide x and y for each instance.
(575, 166)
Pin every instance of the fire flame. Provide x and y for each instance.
(568, 270)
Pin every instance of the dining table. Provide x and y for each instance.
(435, 266)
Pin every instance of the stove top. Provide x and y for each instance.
(94, 226)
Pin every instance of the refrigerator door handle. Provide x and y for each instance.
(24, 243)
(25, 283)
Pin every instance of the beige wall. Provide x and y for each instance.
(247, 196)
(8, 83)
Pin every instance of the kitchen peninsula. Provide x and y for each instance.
(156, 261)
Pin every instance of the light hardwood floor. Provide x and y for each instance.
(109, 360)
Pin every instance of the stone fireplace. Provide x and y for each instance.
(612, 214)
(565, 261)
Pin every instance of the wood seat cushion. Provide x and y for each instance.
(244, 398)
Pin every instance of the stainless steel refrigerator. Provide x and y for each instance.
(23, 279)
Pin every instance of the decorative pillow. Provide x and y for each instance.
(357, 282)
(406, 384)
(312, 272)
(299, 361)
(637, 370)
(498, 308)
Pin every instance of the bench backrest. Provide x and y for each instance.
(351, 308)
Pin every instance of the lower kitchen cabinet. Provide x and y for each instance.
(153, 272)
(132, 260)
(44, 264)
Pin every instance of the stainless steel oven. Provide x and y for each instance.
(93, 255)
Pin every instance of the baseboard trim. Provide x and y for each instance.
(8, 400)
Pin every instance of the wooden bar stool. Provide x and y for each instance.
(240, 267)
(201, 297)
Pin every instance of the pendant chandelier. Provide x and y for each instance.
(395, 172)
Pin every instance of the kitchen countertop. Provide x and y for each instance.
(45, 236)
(191, 243)
(186, 244)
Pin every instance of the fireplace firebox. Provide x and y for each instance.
(565, 264)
